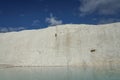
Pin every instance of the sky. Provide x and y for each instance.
(16, 15)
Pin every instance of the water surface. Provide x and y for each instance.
(59, 73)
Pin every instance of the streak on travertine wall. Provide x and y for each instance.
(73, 45)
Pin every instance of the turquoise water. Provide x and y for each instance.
(59, 73)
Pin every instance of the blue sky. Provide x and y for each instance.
(17, 15)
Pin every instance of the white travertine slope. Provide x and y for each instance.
(73, 45)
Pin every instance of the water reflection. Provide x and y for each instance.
(59, 73)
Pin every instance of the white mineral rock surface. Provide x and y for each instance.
(62, 45)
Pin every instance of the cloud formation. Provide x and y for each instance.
(10, 29)
(36, 23)
(102, 7)
(109, 20)
(53, 21)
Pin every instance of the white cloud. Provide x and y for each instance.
(109, 20)
(15, 29)
(104, 7)
(36, 23)
(53, 21)
(22, 15)
(10, 29)
(2, 30)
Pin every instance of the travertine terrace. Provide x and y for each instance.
(62, 45)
